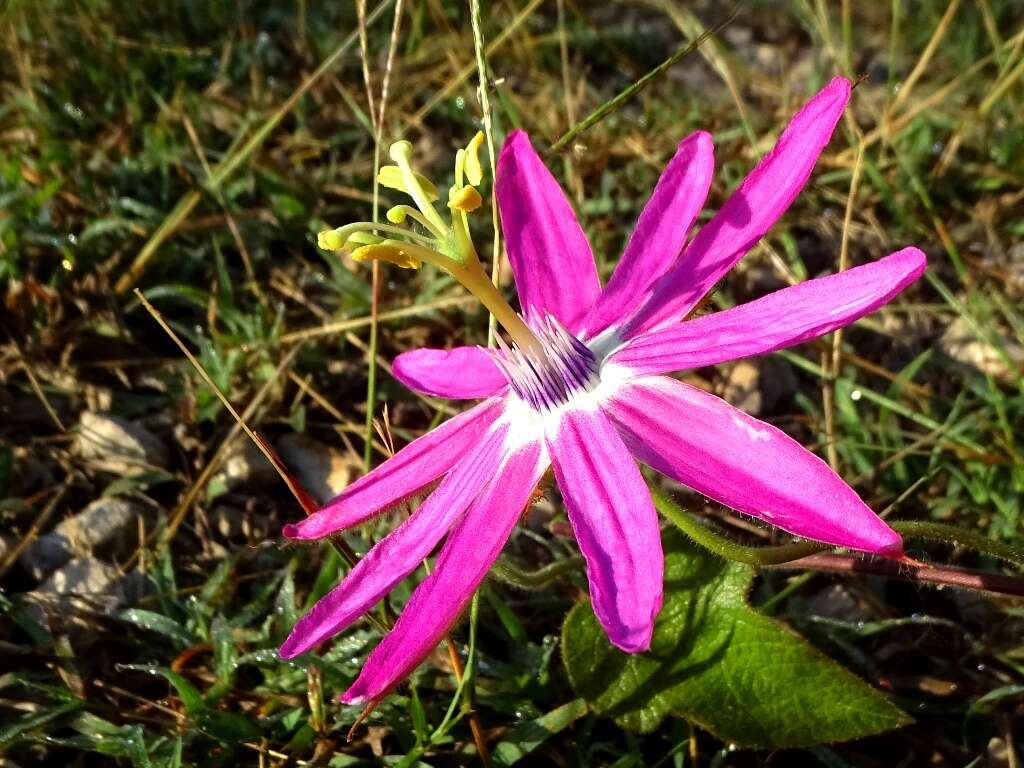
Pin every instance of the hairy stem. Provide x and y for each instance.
(811, 555)
(943, 575)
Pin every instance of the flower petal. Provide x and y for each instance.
(401, 551)
(779, 320)
(660, 232)
(615, 524)
(414, 467)
(703, 442)
(462, 373)
(751, 210)
(467, 556)
(550, 256)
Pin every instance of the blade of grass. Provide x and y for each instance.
(907, 86)
(224, 169)
(486, 119)
(632, 90)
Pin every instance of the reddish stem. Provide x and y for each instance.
(911, 570)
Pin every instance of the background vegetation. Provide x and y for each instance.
(193, 149)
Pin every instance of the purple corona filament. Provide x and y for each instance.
(546, 380)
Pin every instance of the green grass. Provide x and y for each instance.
(158, 129)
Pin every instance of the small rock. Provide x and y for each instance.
(81, 588)
(323, 471)
(835, 601)
(227, 522)
(245, 464)
(742, 387)
(964, 346)
(758, 386)
(106, 527)
(998, 753)
(134, 586)
(82, 576)
(119, 446)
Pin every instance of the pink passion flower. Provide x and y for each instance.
(585, 393)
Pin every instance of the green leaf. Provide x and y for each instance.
(190, 696)
(526, 737)
(12, 732)
(157, 622)
(716, 661)
(228, 727)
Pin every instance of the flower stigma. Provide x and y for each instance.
(417, 234)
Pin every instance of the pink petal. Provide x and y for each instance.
(703, 442)
(462, 373)
(750, 212)
(414, 467)
(468, 554)
(554, 268)
(615, 523)
(660, 233)
(399, 553)
(779, 320)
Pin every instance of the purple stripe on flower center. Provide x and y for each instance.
(564, 367)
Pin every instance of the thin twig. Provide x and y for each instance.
(37, 525)
(811, 555)
(300, 494)
(340, 326)
(831, 358)
(37, 388)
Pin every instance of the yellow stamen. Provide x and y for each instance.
(460, 168)
(448, 247)
(401, 153)
(389, 251)
(330, 240)
(474, 171)
(466, 199)
(391, 176)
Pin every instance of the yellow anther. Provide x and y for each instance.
(400, 150)
(474, 171)
(460, 167)
(391, 252)
(466, 199)
(391, 176)
(398, 214)
(330, 240)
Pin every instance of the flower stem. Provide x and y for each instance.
(730, 550)
(811, 555)
(944, 575)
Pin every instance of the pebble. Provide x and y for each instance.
(964, 346)
(106, 526)
(119, 446)
(322, 470)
